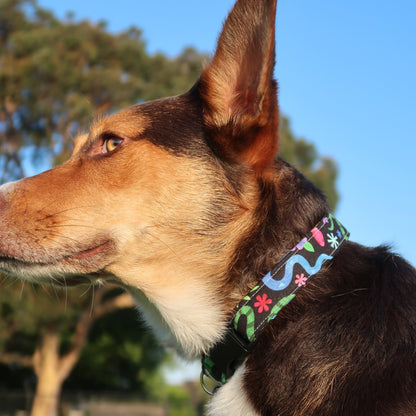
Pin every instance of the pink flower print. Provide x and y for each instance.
(300, 280)
(262, 303)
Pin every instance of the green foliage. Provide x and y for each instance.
(121, 354)
(24, 309)
(186, 400)
(56, 76)
(322, 171)
(179, 402)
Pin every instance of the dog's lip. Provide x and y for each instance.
(90, 252)
(86, 253)
(85, 265)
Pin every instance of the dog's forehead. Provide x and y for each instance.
(128, 123)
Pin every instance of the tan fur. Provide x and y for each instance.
(146, 217)
(78, 142)
(121, 123)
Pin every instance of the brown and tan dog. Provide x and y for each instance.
(183, 202)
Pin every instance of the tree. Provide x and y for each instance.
(121, 354)
(322, 171)
(55, 76)
(48, 330)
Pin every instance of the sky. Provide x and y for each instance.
(347, 80)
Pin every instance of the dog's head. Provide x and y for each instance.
(159, 195)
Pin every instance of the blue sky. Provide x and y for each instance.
(347, 80)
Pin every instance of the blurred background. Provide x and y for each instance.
(346, 73)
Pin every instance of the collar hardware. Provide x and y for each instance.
(275, 290)
(225, 357)
(209, 389)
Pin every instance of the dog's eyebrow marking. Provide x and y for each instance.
(127, 123)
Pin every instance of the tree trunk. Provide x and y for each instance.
(46, 363)
(51, 368)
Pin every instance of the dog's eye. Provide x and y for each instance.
(111, 143)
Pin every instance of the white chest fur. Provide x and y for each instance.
(231, 399)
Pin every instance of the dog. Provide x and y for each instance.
(184, 202)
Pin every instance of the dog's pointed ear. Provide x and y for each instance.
(238, 90)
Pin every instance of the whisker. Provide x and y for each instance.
(164, 243)
(55, 292)
(92, 300)
(21, 290)
(34, 288)
(4, 279)
(74, 225)
(11, 283)
(66, 294)
(57, 235)
(46, 291)
(64, 210)
(85, 292)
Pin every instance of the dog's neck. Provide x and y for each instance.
(278, 224)
(290, 206)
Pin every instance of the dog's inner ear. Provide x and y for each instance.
(238, 90)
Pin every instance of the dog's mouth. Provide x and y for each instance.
(76, 267)
(90, 252)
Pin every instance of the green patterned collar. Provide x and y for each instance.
(266, 300)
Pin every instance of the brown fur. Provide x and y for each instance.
(190, 210)
(238, 89)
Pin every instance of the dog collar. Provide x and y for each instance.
(275, 290)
